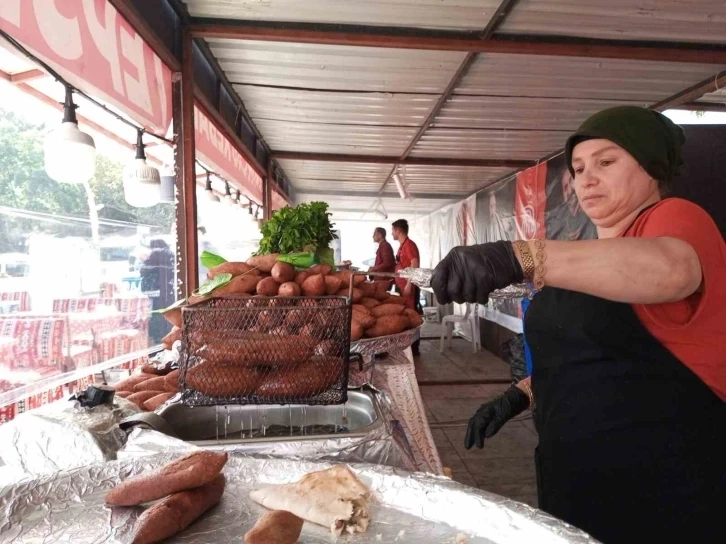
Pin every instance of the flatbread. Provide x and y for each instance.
(333, 498)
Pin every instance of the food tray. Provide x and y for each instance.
(266, 350)
(68, 507)
(386, 344)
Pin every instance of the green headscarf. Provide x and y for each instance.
(650, 137)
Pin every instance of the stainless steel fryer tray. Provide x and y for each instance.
(206, 426)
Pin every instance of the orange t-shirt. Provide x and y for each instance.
(693, 329)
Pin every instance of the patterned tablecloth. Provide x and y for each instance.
(396, 376)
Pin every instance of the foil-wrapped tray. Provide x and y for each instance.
(386, 344)
(68, 507)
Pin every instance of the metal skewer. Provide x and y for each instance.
(421, 277)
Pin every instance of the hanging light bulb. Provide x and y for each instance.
(208, 193)
(70, 154)
(227, 198)
(142, 183)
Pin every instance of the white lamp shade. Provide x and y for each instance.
(142, 184)
(210, 196)
(168, 184)
(70, 155)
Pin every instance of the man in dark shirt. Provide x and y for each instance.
(385, 261)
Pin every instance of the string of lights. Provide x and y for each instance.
(67, 145)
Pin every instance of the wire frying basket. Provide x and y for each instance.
(266, 350)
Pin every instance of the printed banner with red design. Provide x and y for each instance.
(219, 153)
(530, 201)
(95, 49)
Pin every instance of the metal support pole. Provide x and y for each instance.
(267, 191)
(185, 164)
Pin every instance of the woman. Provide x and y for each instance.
(628, 340)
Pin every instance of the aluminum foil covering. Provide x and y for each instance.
(385, 344)
(422, 278)
(518, 290)
(379, 447)
(62, 436)
(68, 507)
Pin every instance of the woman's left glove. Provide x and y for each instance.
(470, 273)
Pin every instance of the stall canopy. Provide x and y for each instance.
(452, 95)
(359, 103)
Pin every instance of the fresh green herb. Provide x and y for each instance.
(210, 260)
(299, 260)
(218, 281)
(326, 256)
(306, 227)
(175, 305)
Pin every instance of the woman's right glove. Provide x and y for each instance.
(490, 417)
(470, 273)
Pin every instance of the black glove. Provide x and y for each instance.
(470, 273)
(490, 417)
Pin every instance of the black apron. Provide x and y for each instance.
(631, 441)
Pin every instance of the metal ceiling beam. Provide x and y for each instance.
(414, 38)
(710, 85)
(30, 75)
(374, 195)
(498, 18)
(417, 161)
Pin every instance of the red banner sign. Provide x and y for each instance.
(96, 50)
(530, 201)
(215, 149)
(278, 201)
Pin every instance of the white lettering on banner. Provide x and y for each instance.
(63, 34)
(105, 39)
(161, 85)
(216, 149)
(96, 50)
(137, 90)
(10, 11)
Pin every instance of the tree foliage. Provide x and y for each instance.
(25, 186)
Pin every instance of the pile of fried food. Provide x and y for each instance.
(185, 489)
(376, 312)
(188, 487)
(150, 388)
(334, 498)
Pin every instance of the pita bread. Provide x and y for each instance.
(333, 498)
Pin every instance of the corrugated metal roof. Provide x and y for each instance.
(355, 207)
(339, 176)
(446, 14)
(489, 144)
(327, 138)
(351, 108)
(360, 177)
(577, 77)
(335, 67)
(460, 180)
(662, 20)
(518, 113)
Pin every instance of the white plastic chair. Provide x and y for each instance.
(470, 318)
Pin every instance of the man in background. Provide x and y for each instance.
(407, 257)
(385, 262)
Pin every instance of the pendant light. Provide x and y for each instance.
(227, 198)
(142, 183)
(208, 193)
(401, 185)
(70, 154)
